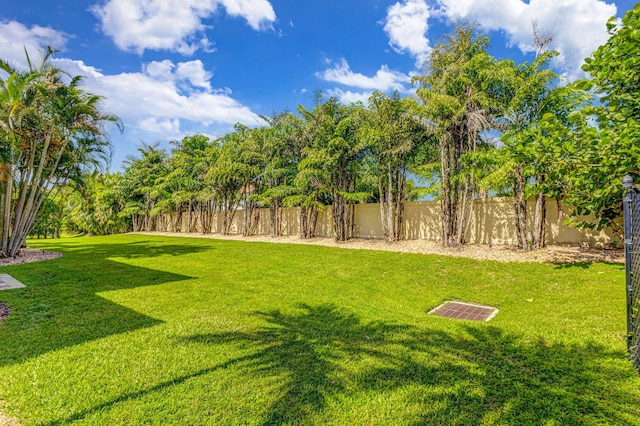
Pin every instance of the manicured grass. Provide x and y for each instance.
(156, 330)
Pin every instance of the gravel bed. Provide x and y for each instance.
(501, 253)
(28, 255)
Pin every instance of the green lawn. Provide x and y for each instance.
(136, 329)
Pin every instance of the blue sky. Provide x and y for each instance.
(170, 68)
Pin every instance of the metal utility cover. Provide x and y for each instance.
(467, 311)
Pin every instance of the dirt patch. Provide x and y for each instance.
(501, 253)
(4, 312)
(5, 420)
(28, 255)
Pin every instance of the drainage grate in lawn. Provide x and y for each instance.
(467, 311)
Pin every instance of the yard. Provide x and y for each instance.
(134, 329)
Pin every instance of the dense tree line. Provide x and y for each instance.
(475, 127)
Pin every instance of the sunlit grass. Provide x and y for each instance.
(157, 330)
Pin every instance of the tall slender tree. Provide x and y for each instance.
(457, 104)
(335, 153)
(529, 101)
(143, 189)
(283, 150)
(51, 130)
(394, 133)
(184, 180)
(227, 175)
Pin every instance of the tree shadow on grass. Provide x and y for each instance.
(482, 372)
(309, 350)
(478, 374)
(60, 307)
(583, 265)
(130, 250)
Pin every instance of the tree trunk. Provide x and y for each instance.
(540, 221)
(188, 230)
(341, 217)
(303, 222)
(313, 220)
(308, 221)
(6, 213)
(389, 201)
(275, 217)
(177, 219)
(398, 218)
(447, 220)
(466, 205)
(230, 205)
(385, 229)
(250, 218)
(520, 210)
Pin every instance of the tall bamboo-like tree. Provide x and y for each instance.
(252, 160)
(312, 181)
(51, 130)
(335, 154)
(226, 176)
(143, 189)
(283, 151)
(529, 100)
(184, 181)
(394, 133)
(456, 95)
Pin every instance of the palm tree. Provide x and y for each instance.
(283, 151)
(333, 159)
(456, 94)
(52, 130)
(393, 133)
(16, 96)
(143, 191)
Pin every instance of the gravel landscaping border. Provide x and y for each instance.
(501, 253)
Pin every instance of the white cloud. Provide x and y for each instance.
(384, 79)
(578, 26)
(258, 13)
(165, 100)
(191, 72)
(163, 96)
(173, 25)
(407, 25)
(170, 128)
(347, 96)
(194, 73)
(15, 37)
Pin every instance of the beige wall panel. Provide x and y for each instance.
(492, 223)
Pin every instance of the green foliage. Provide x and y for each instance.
(606, 153)
(49, 220)
(482, 127)
(97, 207)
